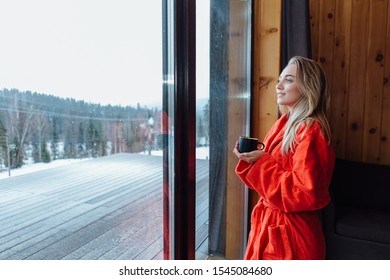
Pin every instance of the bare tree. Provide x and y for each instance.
(19, 121)
(40, 124)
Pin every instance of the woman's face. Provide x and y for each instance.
(287, 88)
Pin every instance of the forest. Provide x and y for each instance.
(44, 127)
(47, 127)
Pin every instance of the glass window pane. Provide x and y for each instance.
(80, 130)
(202, 127)
(223, 112)
(168, 113)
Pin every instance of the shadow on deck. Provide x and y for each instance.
(106, 208)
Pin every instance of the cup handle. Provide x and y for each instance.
(261, 145)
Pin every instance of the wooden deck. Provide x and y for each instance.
(106, 208)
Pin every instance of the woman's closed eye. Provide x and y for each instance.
(287, 79)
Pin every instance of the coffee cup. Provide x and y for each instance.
(249, 144)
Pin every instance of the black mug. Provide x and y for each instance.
(249, 144)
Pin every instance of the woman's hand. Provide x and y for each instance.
(250, 157)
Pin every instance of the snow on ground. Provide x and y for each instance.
(201, 153)
(33, 167)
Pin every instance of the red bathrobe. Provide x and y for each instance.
(285, 222)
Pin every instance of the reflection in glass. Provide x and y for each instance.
(229, 115)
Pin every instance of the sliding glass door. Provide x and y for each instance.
(206, 100)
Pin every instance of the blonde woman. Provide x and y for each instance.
(292, 174)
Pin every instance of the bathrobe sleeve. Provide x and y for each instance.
(303, 187)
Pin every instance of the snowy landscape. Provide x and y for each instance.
(29, 167)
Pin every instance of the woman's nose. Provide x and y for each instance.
(279, 85)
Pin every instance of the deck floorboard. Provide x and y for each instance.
(105, 208)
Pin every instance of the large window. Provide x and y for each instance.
(117, 120)
(80, 130)
(209, 81)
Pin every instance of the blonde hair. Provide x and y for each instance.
(313, 104)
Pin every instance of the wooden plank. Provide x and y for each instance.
(357, 79)
(339, 98)
(54, 206)
(95, 230)
(114, 232)
(74, 193)
(314, 6)
(125, 226)
(152, 251)
(201, 235)
(374, 80)
(385, 130)
(81, 226)
(266, 70)
(72, 219)
(359, 75)
(134, 244)
(266, 65)
(326, 38)
(202, 204)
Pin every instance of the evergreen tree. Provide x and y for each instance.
(55, 139)
(70, 141)
(130, 133)
(36, 151)
(101, 142)
(3, 142)
(200, 132)
(16, 158)
(34, 119)
(39, 135)
(81, 141)
(95, 139)
(103, 147)
(45, 153)
(206, 117)
(69, 151)
(90, 138)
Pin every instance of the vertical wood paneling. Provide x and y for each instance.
(385, 130)
(326, 36)
(374, 80)
(339, 101)
(267, 15)
(266, 65)
(314, 6)
(358, 66)
(357, 79)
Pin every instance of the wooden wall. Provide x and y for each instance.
(267, 18)
(351, 38)
(266, 64)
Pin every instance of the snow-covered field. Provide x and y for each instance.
(33, 167)
(201, 153)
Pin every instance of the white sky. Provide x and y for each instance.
(105, 51)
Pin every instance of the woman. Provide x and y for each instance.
(292, 174)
